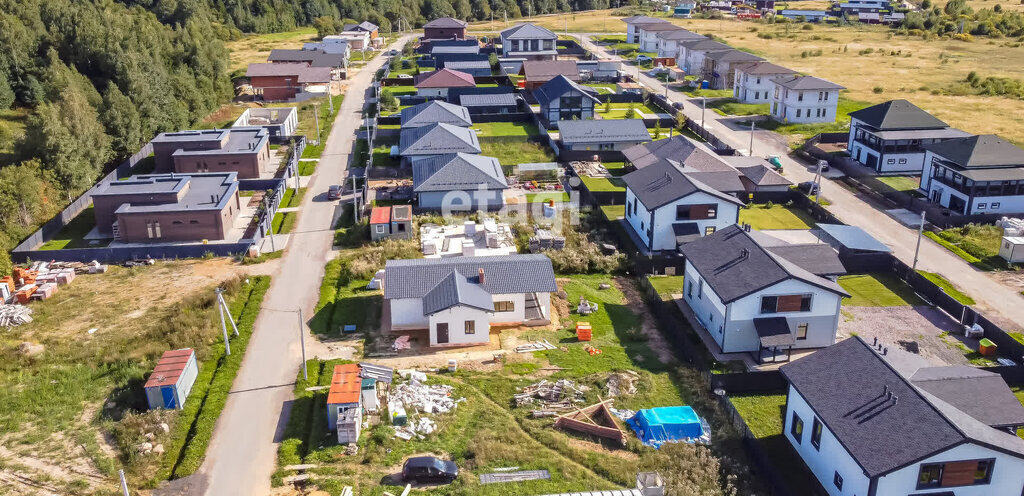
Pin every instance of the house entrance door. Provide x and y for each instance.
(872, 161)
(442, 333)
(957, 204)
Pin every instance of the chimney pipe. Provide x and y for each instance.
(885, 390)
(480, 275)
(895, 400)
(744, 254)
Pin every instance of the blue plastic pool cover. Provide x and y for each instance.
(667, 424)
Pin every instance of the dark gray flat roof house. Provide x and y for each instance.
(245, 151)
(975, 175)
(315, 58)
(889, 137)
(167, 207)
(602, 134)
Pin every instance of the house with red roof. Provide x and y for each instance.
(436, 84)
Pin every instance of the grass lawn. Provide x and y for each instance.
(73, 234)
(763, 415)
(948, 287)
(401, 90)
(699, 92)
(503, 129)
(486, 431)
(308, 167)
(777, 217)
(878, 290)
(558, 196)
(977, 244)
(595, 184)
(901, 183)
(666, 285)
(511, 150)
(284, 222)
(616, 169)
(612, 212)
(290, 199)
(618, 111)
(729, 106)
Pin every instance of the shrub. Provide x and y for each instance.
(878, 90)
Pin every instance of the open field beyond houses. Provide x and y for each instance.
(903, 67)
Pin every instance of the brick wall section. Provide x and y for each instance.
(193, 225)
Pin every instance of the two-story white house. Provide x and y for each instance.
(666, 208)
(975, 175)
(634, 25)
(668, 41)
(722, 66)
(457, 300)
(753, 81)
(764, 300)
(529, 41)
(864, 429)
(563, 99)
(888, 137)
(804, 99)
(649, 34)
(690, 55)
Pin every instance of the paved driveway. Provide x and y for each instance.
(1004, 303)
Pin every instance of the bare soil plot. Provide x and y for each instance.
(915, 336)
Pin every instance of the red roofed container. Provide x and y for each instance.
(172, 379)
(344, 407)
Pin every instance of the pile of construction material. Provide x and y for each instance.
(421, 400)
(589, 168)
(550, 396)
(544, 239)
(535, 346)
(1011, 226)
(41, 280)
(14, 315)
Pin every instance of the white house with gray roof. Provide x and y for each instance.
(459, 182)
(804, 99)
(634, 26)
(863, 428)
(529, 41)
(433, 112)
(668, 41)
(602, 134)
(458, 300)
(762, 296)
(435, 139)
(975, 175)
(666, 208)
(753, 81)
(889, 137)
(721, 66)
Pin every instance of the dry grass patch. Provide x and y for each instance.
(255, 48)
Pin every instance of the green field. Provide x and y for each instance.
(878, 290)
(511, 150)
(505, 129)
(763, 415)
(901, 183)
(729, 106)
(603, 184)
(948, 287)
(667, 285)
(612, 212)
(777, 217)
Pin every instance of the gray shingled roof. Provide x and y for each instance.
(433, 112)
(734, 56)
(545, 70)
(695, 161)
(443, 49)
(766, 68)
(763, 175)
(528, 31)
(639, 19)
(316, 58)
(734, 265)
(487, 100)
(705, 44)
(367, 26)
(978, 393)
(664, 182)
(680, 35)
(456, 289)
(437, 139)
(897, 114)
(817, 258)
(460, 171)
(462, 65)
(603, 131)
(446, 22)
(303, 72)
(985, 150)
(558, 86)
(444, 78)
(503, 274)
(807, 83)
(848, 386)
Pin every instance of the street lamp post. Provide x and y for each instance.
(920, 234)
(703, 104)
(751, 153)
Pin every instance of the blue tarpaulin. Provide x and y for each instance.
(656, 426)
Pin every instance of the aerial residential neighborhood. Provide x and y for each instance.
(666, 248)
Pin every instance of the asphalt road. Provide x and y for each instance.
(243, 451)
(850, 207)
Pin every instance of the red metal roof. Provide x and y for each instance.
(169, 368)
(445, 78)
(380, 215)
(345, 385)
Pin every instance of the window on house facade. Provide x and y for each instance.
(798, 112)
(838, 481)
(801, 331)
(981, 206)
(816, 433)
(995, 205)
(797, 428)
(826, 96)
(709, 230)
(953, 474)
(504, 306)
(758, 80)
(700, 288)
(800, 96)
(470, 327)
(380, 228)
(786, 303)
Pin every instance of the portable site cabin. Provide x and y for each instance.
(171, 381)
(1012, 249)
(667, 424)
(372, 375)
(343, 402)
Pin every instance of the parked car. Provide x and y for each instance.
(429, 469)
(643, 58)
(809, 187)
(334, 192)
(393, 52)
(824, 165)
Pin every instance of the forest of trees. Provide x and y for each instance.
(99, 78)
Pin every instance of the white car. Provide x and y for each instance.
(643, 58)
(404, 76)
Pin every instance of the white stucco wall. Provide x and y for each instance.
(785, 104)
(462, 200)
(830, 458)
(747, 89)
(1007, 474)
(663, 236)
(407, 313)
(433, 92)
(456, 318)
(706, 305)
(911, 163)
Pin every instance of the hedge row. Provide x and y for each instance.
(196, 422)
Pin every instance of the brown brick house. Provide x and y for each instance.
(168, 207)
(445, 28)
(282, 81)
(243, 150)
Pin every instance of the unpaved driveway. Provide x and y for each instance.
(914, 336)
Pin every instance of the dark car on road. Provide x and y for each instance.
(422, 469)
(334, 192)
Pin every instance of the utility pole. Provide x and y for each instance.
(817, 183)
(330, 95)
(355, 198)
(703, 104)
(505, 13)
(124, 483)
(224, 306)
(920, 234)
(751, 153)
(316, 117)
(302, 344)
(223, 326)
